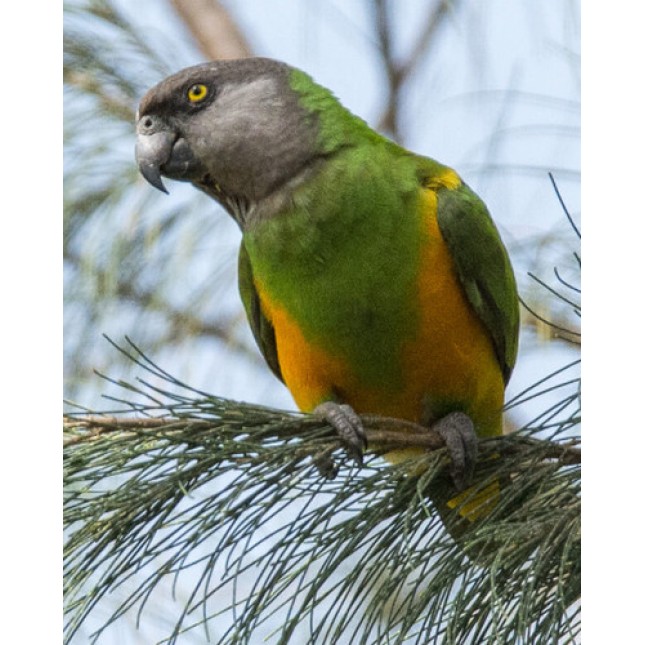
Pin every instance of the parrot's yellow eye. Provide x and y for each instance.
(197, 93)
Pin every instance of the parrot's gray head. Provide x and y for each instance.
(234, 128)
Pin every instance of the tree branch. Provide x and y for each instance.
(216, 33)
(136, 500)
(383, 433)
(433, 23)
(398, 73)
(198, 470)
(555, 328)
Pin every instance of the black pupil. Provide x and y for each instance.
(197, 91)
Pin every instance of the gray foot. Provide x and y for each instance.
(347, 424)
(458, 432)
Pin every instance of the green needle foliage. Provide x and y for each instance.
(193, 481)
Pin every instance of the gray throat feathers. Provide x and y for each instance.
(247, 211)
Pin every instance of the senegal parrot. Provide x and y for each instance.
(373, 278)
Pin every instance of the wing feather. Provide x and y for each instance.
(484, 268)
(262, 329)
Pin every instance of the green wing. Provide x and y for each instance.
(262, 329)
(484, 268)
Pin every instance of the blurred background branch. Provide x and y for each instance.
(397, 73)
(213, 28)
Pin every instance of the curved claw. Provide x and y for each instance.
(458, 432)
(347, 424)
(325, 465)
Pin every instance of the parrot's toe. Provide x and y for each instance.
(347, 424)
(325, 464)
(458, 432)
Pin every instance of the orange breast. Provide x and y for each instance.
(310, 372)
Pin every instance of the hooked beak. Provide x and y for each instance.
(162, 150)
(152, 151)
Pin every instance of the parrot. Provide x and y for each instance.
(374, 279)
